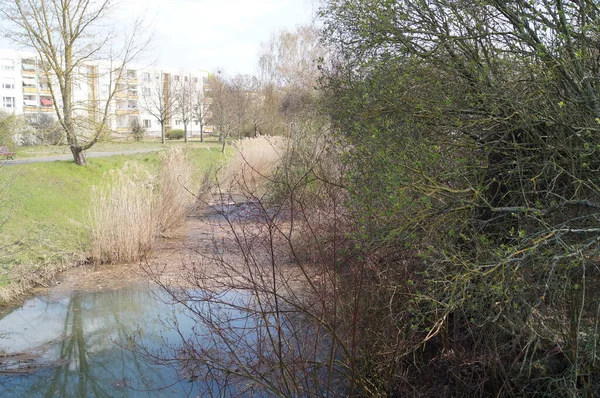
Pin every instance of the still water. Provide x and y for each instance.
(80, 346)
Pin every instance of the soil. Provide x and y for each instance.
(196, 238)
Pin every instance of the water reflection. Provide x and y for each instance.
(80, 346)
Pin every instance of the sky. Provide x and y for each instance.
(211, 35)
(215, 35)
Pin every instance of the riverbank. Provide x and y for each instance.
(46, 211)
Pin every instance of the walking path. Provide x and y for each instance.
(70, 157)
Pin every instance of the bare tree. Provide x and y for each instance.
(161, 102)
(201, 105)
(68, 36)
(254, 99)
(184, 93)
(228, 107)
(289, 65)
(290, 58)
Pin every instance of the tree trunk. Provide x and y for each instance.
(162, 131)
(185, 133)
(78, 156)
(201, 134)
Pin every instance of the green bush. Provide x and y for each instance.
(176, 134)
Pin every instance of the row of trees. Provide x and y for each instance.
(185, 99)
(276, 102)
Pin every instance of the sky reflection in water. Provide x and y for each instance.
(88, 334)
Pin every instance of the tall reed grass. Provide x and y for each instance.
(174, 199)
(123, 216)
(253, 164)
(132, 208)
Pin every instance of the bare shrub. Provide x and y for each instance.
(138, 132)
(122, 216)
(267, 312)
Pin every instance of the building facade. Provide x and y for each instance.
(144, 95)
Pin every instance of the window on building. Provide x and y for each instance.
(196, 122)
(178, 122)
(7, 64)
(8, 84)
(146, 77)
(146, 91)
(176, 78)
(205, 80)
(8, 102)
(195, 80)
(147, 123)
(185, 79)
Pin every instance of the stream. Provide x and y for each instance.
(82, 337)
(80, 345)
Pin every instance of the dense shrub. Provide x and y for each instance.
(13, 130)
(46, 130)
(176, 134)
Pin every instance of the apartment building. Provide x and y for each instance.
(25, 90)
(22, 89)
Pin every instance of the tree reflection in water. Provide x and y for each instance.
(86, 341)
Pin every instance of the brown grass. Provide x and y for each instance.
(123, 216)
(132, 208)
(174, 199)
(253, 164)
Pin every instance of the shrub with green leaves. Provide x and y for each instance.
(175, 134)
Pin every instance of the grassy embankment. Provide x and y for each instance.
(46, 206)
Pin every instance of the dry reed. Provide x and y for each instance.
(131, 209)
(174, 199)
(123, 218)
(253, 165)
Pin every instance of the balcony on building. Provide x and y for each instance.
(132, 92)
(132, 76)
(29, 67)
(132, 107)
(29, 85)
(44, 88)
(30, 103)
(121, 91)
(47, 104)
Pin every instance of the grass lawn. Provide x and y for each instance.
(46, 204)
(115, 146)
